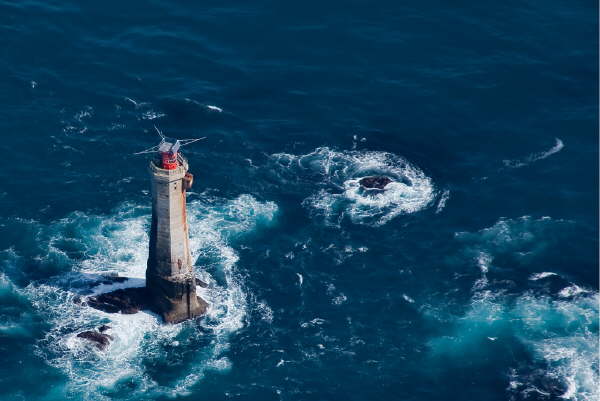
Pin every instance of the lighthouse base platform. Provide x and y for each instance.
(174, 300)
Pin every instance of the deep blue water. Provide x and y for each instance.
(473, 277)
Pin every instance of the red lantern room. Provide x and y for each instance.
(168, 149)
(168, 154)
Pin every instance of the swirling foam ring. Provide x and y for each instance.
(91, 370)
(347, 164)
(411, 191)
(398, 198)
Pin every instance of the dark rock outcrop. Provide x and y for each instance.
(110, 279)
(126, 300)
(374, 182)
(100, 340)
(133, 300)
(103, 328)
(114, 279)
(174, 298)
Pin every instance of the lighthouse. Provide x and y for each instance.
(170, 279)
(170, 289)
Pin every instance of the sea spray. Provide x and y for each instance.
(557, 328)
(118, 244)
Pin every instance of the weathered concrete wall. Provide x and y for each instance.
(169, 275)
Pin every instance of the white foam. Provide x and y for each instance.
(562, 334)
(484, 261)
(300, 279)
(542, 275)
(558, 146)
(571, 291)
(523, 236)
(136, 104)
(340, 299)
(86, 112)
(214, 108)
(152, 115)
(570, 352)
(571, 392)
(118, 244)
(443, 200)
(265, 311)
(342, 195)
(314, 322)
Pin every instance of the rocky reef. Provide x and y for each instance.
(375, 182)
(99, 338)
(126, 301)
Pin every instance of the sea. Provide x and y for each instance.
(472, 276)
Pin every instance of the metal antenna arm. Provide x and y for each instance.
(159, 132)
(184, 142)
(149, 150)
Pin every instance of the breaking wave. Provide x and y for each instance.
(558, 327)
(558, 146)
(442, 202)
(522, 238)
(341, 195)
(145, 357)
(562, 335)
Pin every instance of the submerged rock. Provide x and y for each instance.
(375, 182)
(103, 328)
(100, 340)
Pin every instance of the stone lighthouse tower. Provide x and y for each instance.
(170, 279)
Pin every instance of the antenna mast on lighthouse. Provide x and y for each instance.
(168, 149)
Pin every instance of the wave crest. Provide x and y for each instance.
(558, 146)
